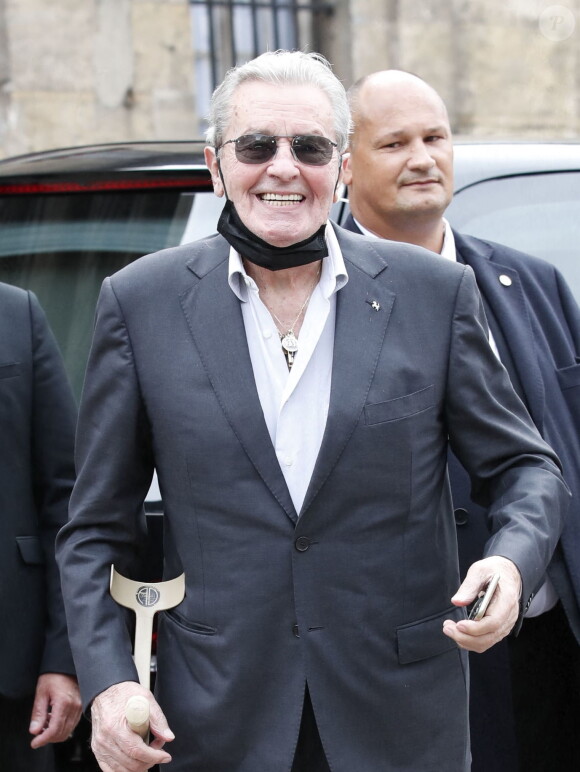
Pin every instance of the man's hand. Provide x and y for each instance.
(116, 747)
(502, 612)
(56, 709)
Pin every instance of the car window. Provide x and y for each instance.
(62, 246)
(536, 213)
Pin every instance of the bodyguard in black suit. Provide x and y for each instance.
(38, 690)
(400, 183)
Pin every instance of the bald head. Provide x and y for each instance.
(400, 171)
(370, 94)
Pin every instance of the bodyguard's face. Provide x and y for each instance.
(282, 200)
(401, 157)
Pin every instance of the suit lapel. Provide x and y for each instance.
(506, 300)
(363, 309)
(216, 324)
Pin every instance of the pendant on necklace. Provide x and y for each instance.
(289, 346)
(290, 342)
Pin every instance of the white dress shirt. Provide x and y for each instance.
(295, 402)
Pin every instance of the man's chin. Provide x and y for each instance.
(282, 239)
(274, 240)
(422, 206)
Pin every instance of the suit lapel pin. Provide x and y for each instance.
(374, 304)
(505, 280)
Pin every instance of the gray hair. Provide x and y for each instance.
(280, 68)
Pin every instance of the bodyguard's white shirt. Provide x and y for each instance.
(546, 597)
(295, 403)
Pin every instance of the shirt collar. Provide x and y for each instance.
(448, 250)
(332, 279)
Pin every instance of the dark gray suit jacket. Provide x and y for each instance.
(349, 597)
(37, 421)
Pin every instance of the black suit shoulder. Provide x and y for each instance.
(37, 414)
(16, 310)
(12, 296)
(527, 265)
(548, 296)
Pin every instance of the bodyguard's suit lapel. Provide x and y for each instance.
(363, 309)
(508, 306)
(215, 320)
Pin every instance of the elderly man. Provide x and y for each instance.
(295, 386)
(400, 178)
(39, 695)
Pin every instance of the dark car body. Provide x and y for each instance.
(68, 218)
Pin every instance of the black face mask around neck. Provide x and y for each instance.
(258, 251)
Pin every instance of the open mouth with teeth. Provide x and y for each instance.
(281, 199)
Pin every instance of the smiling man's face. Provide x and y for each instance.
(283, 201)
(400, 167)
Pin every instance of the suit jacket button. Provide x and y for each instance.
(461, 516)
(295, 631)
(302, 543)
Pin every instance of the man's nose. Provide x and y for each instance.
(284, 164)
(420, 157)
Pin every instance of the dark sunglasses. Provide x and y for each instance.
(306, 148)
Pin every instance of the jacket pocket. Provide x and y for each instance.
(400, 407)
(30, 550)
(569, 380)
(10, 370)
(425, 638)
(569, 376)
(190, 625)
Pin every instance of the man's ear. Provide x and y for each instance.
(339, 186)
(212, 164)
(346, 169)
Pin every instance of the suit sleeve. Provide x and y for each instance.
(107, 521)
(513, 471)
(52, 437)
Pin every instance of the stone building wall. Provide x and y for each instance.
(506, 68)
(82, 71)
